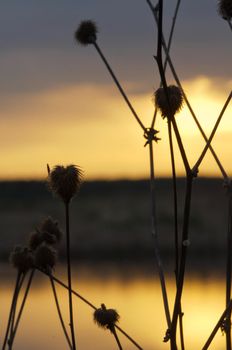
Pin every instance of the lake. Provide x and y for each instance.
(133, 290)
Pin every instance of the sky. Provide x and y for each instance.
(58, 104)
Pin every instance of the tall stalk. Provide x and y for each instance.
(176, 234)
(67, 222)
(229, 270)
(59, 311)
(155, 237)
(15, 326)
(18, 284)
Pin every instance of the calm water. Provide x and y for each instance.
(137, 299)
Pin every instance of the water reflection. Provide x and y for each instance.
(137, 299)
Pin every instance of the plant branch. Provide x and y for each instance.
(59, 312)
(176, 234)
(164, 83)
(69, 276)
(229, 269)
(113, 330)
(224, 174)
(196, 166)
(118, 85)
(58, 281)
(218, 325)
(184, 248)
(155, 237)
(15, 327)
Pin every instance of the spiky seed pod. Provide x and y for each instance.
(51, 227)
(22, 259)
(86, 33)
(174, 102)
(65, 182)
(45, 257)
(225, 9)
(105, 318)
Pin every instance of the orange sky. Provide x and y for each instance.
(91, 126)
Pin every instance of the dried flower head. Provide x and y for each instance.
(51, 227)
(22, 259)
(86, 33)
(65, 181)
(35, 239)
(174, 102)
(225, 9)
(105, 318)
(45, 257)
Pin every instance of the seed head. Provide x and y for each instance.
(51, 227)
(225, 9)
(105, 318)
(65, 182)
(22, 258)
(174, 102)
(86, 33)
(35, 239)
(45, 257)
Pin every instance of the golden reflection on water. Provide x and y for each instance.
(138, 300)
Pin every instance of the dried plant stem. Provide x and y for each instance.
(118, 85)
(18, 284)
(181, 273)
(113, 331)
(155, 237)
(169, 43)
(218, 325)
(176, 234)
(196, 166)
(229, 269)
(224, 174)
(15, 326)
(59, 312)
(58, 281)
(69, 275)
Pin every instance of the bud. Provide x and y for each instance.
(45, 257)
(225, 9)
(105, 318)
(86, 33)
(22, 259)
(65, 182)
(174, 102)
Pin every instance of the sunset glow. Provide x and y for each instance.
(91, 126)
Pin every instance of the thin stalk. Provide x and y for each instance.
(154, 235)
(59, 312)
(14, 298)
(184, 248)
(196, 166)
(175, 205)
(169, 44)
(218, 325)
(224, 174)
(229, 270)
(69, 275)
(164, 83)
(58, 281)
(15, 326)
(118, 85)
(176, 234)
(113, 330)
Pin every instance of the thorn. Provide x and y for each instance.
(48, 169)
